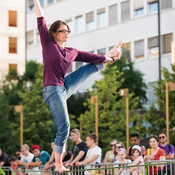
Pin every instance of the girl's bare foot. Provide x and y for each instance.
(60, 168)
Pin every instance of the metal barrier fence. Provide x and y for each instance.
(149, 168)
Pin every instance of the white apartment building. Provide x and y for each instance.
(97, 25)
(12, 37)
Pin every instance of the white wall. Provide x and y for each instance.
(131, 30)
(6, 32)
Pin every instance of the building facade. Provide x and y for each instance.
(12, 37)
(97, 25)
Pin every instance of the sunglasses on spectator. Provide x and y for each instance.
(162, 137)
(118, 147)
(112, 145)
(64, 31)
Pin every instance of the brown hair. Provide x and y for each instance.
(92, 136)
(135, 150)
(76, 131)
(55, 26)
(155, 137)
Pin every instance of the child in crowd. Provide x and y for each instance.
(117, 147)
(14, 166)
(122, 162)
(138, 160)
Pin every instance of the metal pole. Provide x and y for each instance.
(127, 119)
(96, 116)
(167, 111)
(159, 39)
(80, 125)
(21, 124)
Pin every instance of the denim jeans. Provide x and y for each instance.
(56, 98)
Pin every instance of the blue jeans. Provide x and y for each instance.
(56, 98)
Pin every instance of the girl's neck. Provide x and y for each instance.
(61, 44)
(123, 160)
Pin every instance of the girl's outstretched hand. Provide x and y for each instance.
(115, 52)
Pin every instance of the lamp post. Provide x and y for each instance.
(125, 93)
(94, 100)
(19, 108)
(169, 87)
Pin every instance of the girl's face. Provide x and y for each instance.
(121, 155)
(153, 143)
(136, 153)
(117, 147)
(62, 34)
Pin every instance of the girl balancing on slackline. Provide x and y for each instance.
(57, 59)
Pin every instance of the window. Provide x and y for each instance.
(138, 7)
(101, 18)
(42, 3)
(153, 7)
(79, 24)
(101, 51)
(78, 64)
(110, 47)
(12, 45)
(153, 46)
(70, 70)
(126, 51)
(139, 49)
(49, 1)
(70, 24)
(30, 37)
(12, 74)
(166, 43)
(139, 12)
(90, 21)
(165, 4)
(113, 14)
(30, 5)
(13, 67)
(12, 18)
(125, 10)
(38, 37)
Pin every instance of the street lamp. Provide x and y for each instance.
(19, 108)
(125, 93)
(169, 87)
(94, 100)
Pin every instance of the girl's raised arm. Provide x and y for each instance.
(38, 10)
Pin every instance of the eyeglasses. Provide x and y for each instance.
(118, 147)
(162, 137)
(112, 145)
(64, 31)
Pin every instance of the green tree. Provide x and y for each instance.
(112, 115)
(6, 139)
(133, 79)
(156, 115)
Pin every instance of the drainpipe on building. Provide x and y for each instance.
(159, 40)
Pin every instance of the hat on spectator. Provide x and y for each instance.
(35, 147)
(136, 147)
(122, 150)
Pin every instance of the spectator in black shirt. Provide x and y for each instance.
(79, 150)
(4, 159)
(5, 162)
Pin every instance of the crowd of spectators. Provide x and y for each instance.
(86, 154)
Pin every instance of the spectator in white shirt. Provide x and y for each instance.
(93, 155)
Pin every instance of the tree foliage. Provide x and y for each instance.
(156, 115)
(111, 109)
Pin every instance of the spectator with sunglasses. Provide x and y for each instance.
(168, 148)
(117, 147)
(57, 59)
(109, 156)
